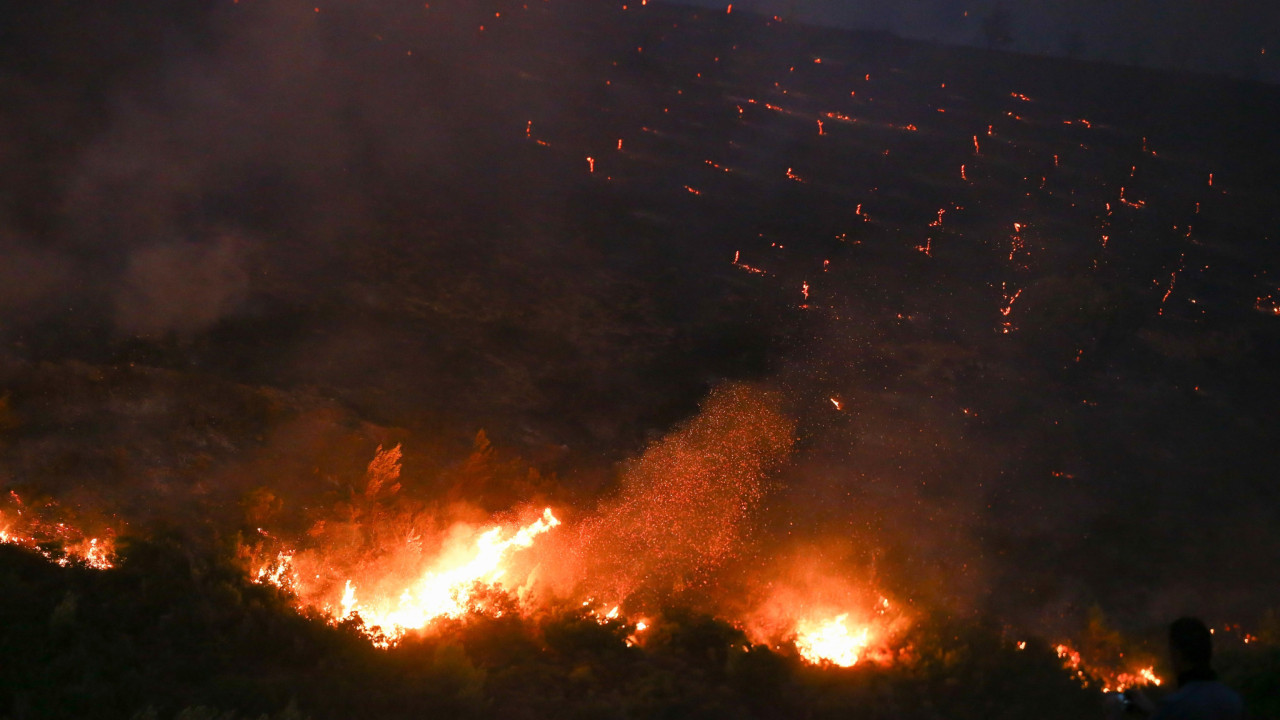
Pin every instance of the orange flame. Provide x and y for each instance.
(1110, 680)
(31, 533)
(446, 588)
(832, 641)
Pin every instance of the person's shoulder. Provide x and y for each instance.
(1202, 700)
(1224, 694)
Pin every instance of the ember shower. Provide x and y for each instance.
(638, 306)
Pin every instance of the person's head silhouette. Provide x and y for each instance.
(1190, 645)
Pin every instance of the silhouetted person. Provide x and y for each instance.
(1200, 696)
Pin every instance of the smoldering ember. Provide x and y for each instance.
(621, 359)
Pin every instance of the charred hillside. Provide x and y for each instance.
(757, 309)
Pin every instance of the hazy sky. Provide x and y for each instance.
(1234, 37)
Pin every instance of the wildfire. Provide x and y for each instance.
(831, 618)
(97, 555)
(277, 572)
(451, 584)
(832, 641)
(56, 541)
(1144, 676)
(744, 266)
(679, 514)
(1016, 242)
(1070, 660)
(1267, 304)
(1009, 299)
(683, 512)
(1109, 680)
(447, 589)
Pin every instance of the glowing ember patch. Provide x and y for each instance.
(56, 541)
(632, 639)
(97, 555)
(1110, 680)
(832, 641)
(1268, 304)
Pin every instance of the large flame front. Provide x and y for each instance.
(832, 641)
(447, 589)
